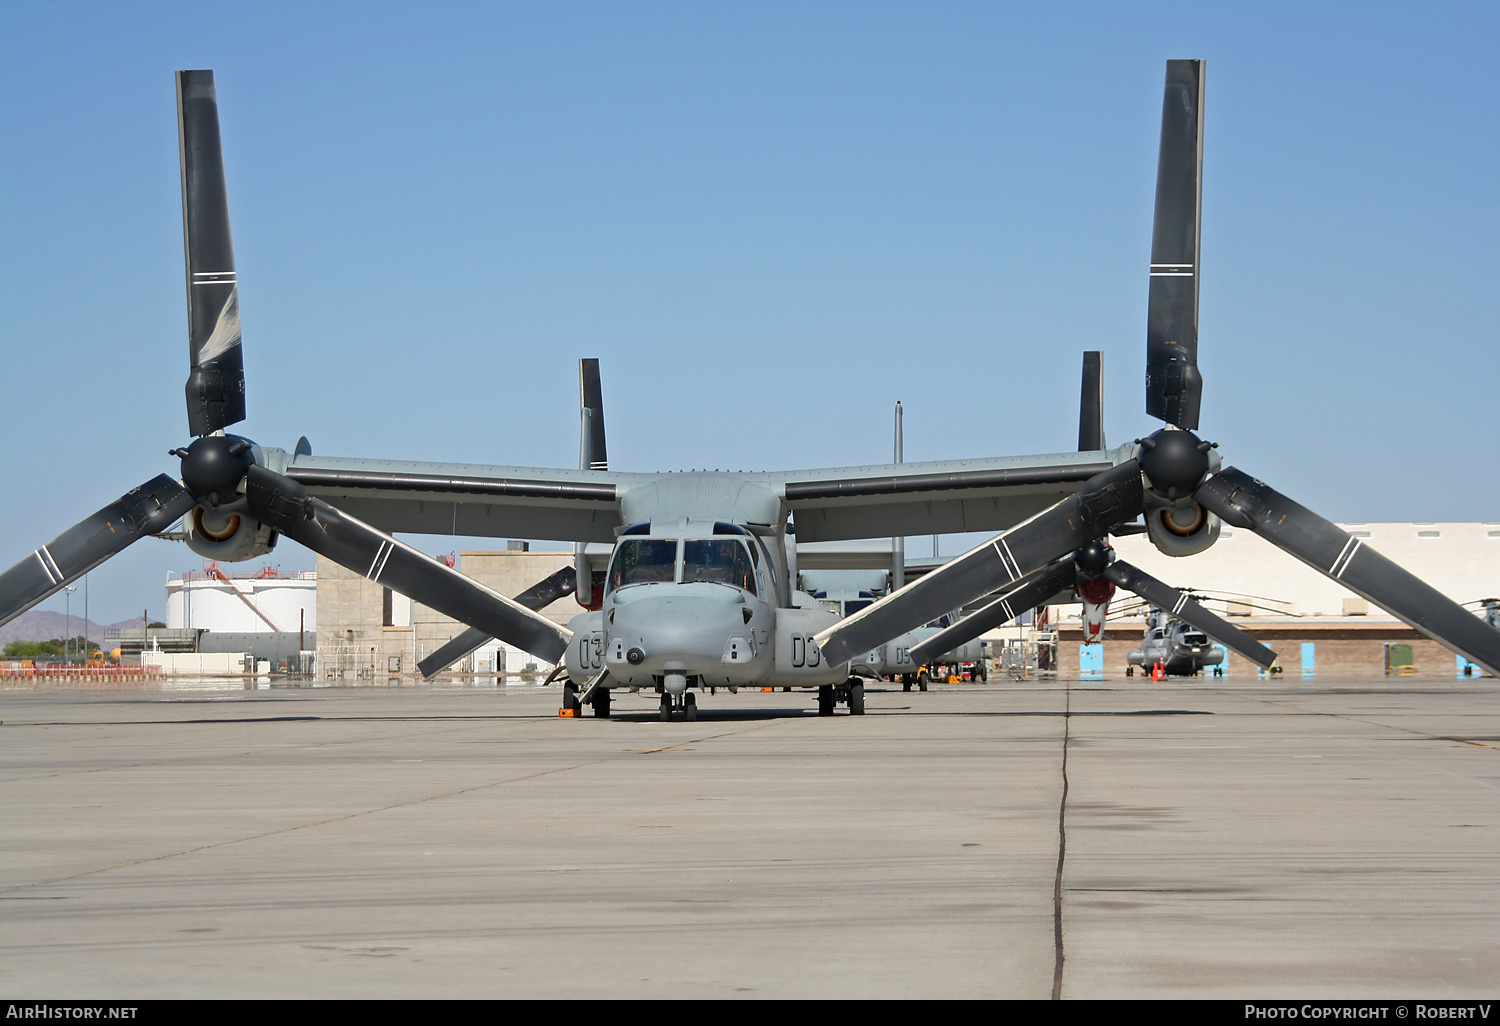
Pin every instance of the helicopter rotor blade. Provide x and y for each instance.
(593, 455)
(1188, 610)
(285, 506)
(591, 398)
(1033, 592)
(149, 509)
(216, 379)
(1106, 500)
(1174, 388)
(1242, 501)
(1091, 403)
(536, 598)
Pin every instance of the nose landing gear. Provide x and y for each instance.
(686, 704)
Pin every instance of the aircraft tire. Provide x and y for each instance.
(690, 707)
(666, 708)
(825, 700)
(906, 682)
(601, 703)
(857, 699)
(570, 699)
(922, 680)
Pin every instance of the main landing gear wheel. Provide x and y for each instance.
(600, 702)
(666, 708)
(857, 698)
(570, 699)
(922, 680)
(906, 682)
(825, 700)
(690, 707)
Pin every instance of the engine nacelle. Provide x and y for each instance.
(1174, 463)
(1181, 528)
(227, 535)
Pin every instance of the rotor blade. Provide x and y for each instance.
(1242, 501)
(1173, 385)
(1164, 596)
(591, 398)
(152, 507)
(592, 455)
(285, 506)
(537, 597)
(1105, 501)
(216, 380)
(459, 648)
(1091, 404)
(548, 590)
(1003, 610)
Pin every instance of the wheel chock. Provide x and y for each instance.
(566, 712)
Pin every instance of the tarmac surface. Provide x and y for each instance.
(1250, 838)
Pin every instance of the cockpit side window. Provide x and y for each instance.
(643, 561)
(718, 561)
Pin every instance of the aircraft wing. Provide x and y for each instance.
(465, 498)
(937, 497)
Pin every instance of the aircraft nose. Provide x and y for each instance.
(679, 634)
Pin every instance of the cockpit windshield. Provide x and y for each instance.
(717, 561)
(643, 561)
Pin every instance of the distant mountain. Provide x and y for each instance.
(44, 625)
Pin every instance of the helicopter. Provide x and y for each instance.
(699, 590)
(1179, 648)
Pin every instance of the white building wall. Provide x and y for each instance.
(1460, 560)
(214, 605)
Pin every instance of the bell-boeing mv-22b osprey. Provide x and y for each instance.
(700, 588)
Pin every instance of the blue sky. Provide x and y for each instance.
(769, 221)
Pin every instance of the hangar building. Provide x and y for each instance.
(1309, 620)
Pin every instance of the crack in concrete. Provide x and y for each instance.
(1062, 851)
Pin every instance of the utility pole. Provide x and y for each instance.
(68, 630)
